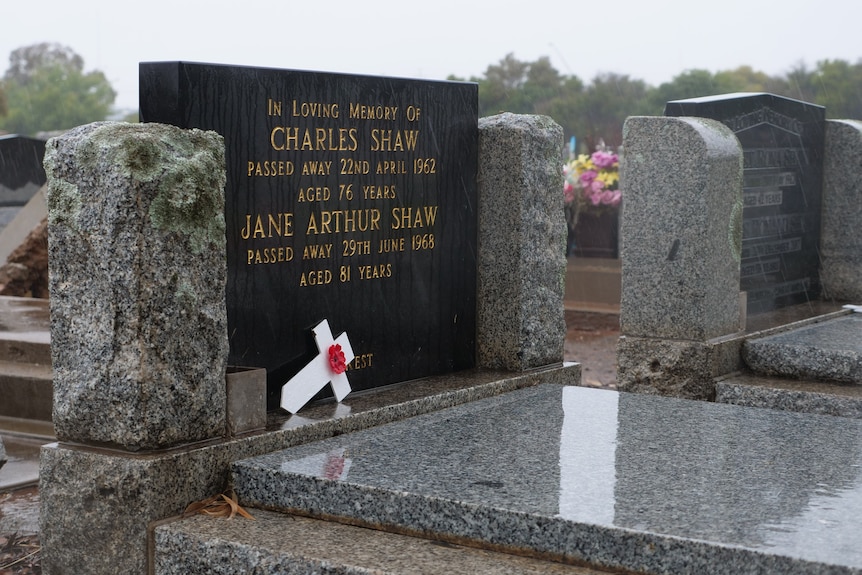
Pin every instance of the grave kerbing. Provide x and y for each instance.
(136, 249)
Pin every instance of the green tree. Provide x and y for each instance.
(47, 89)
(689, 84)
(522, 87)
(604, 107)
(800, 83)
(746, 79)
(838, 87)
(566, 108)
(500, 89)
(698, 83)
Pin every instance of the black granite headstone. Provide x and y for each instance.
(782, 143)
(348, 198)
(21, 171)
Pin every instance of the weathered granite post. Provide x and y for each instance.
(841, 216)
(522, 238)
(681, 240)
(136, 248)
(138, 326)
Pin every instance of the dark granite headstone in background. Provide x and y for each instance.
(348, 198)
(21, 174)
(21, 171)
(782, 142)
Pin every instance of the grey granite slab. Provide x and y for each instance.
(645, 483)
(824, 398)
(830, 350)
(278, 544)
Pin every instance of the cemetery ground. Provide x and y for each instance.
(590, 339)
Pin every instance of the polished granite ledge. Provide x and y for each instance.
(830, 350)
(646, 483)
(804, 396)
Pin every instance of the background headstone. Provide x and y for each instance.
(841, 230)
(21, 173)
(25, 221)
(782, 143)
(348, 198)
(681, 237)
(136, 252)
(680, 248)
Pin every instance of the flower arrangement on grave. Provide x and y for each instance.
(591, 183)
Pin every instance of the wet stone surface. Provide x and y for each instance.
(831, 351)
(595, 475)
(19, 511)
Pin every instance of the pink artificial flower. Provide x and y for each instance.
(616, 198)
(587, 177)
(607, 197)
(597, 186)
(604, 160)
(568, 192)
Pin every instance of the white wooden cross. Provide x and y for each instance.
(313, 377)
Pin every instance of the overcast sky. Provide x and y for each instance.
(651, 40)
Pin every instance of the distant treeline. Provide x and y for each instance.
(597, 110)
(46, 88)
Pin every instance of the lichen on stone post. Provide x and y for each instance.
(137, 284)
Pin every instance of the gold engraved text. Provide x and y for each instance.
(363, 112)
(338, 221)
(393, 140)
(314, 109)
(271, 168)
(267, 226)
(410, 217)
(288, 138)
(379, 192)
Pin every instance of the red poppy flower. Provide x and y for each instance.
(336, 359)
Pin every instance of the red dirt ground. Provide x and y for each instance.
(591, 340)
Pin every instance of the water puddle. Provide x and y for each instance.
(19, 511)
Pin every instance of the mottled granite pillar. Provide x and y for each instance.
(681, 231)
(137, 281)
(522, 239)
(841, 216)
(138, 336)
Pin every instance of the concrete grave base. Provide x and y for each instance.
(675, 368)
